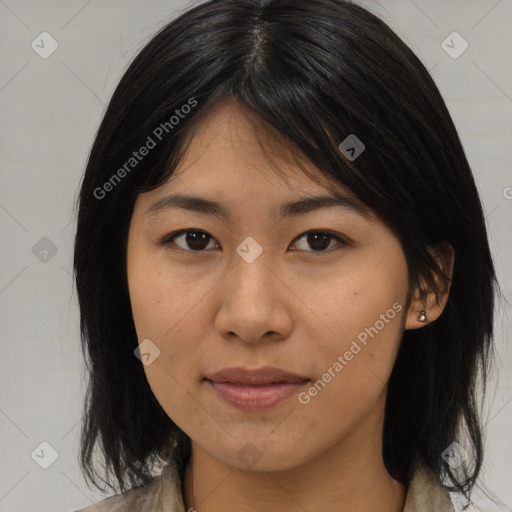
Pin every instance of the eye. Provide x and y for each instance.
(196, 240)
(319, 239)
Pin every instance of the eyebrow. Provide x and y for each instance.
(292, 208)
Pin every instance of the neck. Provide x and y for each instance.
(348, 477)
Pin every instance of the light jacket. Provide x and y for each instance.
(164, 494)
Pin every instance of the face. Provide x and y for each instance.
(319, 293)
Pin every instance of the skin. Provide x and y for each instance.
(295, 309)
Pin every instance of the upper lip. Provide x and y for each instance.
(259, 376)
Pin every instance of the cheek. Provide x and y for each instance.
(352, 374)
(166, 307)
(146, 297)
(355, 321)
(344, 303)
(159, 295)
(163, 315)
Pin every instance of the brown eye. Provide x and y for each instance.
(192, 239)
(319, 241)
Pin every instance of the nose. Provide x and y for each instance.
(256, 303)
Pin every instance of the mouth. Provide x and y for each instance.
(256, 377)
(255, 390)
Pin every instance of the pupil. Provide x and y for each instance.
(195, 240)
(314, 237)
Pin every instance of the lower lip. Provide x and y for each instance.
(256, 398)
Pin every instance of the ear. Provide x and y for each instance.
(432, 301)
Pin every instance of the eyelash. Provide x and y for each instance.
(169, 239)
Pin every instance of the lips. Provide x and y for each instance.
(256, 377)
(255, 390)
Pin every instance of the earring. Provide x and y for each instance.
(422, 316)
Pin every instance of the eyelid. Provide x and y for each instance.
(341, 239)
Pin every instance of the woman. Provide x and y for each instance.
(283, 271)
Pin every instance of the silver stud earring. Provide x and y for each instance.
(422, 316)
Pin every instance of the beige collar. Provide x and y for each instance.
(426, 494)
(164, 494)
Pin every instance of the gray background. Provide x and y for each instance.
(50, 110)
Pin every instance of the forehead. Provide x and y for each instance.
(233, 147)
(234, 161)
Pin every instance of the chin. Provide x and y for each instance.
(261, 455)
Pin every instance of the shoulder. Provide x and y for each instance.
(142, 499)
(426, 493)
(162, 493)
